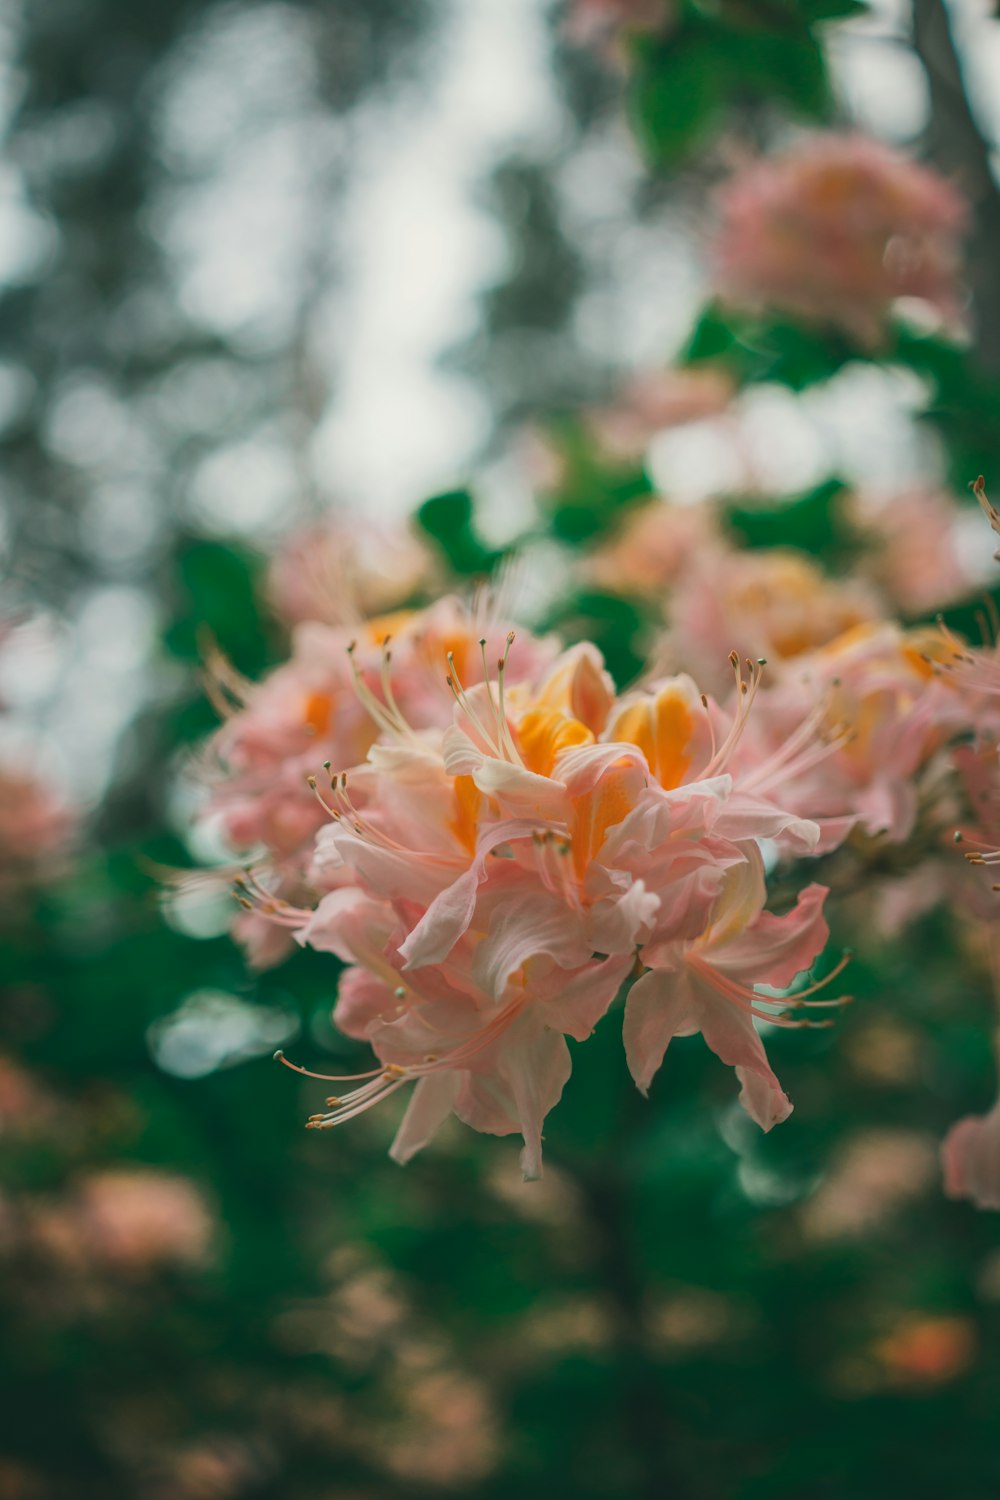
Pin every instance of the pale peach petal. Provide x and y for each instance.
(450, 913)
(582, 999)
(659, 1007)
(773, 950)
(431, 1102)
(733, 1037)
(526, 925)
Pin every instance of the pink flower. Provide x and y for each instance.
(501, 881)
(136, 1218)
(707, 984)
(129, 1221)
(918, 562)
(605, 23)
(885, 708)
(837, 228)
(970, 1156)
(341, 572)
(657, 547)
(656, 400)
(36, 830)
(328, 704)
(776, 604)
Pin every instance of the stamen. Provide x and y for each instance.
(462, 698)
(501, 671)
(386, 715)
(750, 1000)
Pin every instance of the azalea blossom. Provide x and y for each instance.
(657, 400)
(501, 880)
(339, 573)
(835, 230)
(892, 709)
(329, 702)
(36, 829)
(706, 985)
(654, 549)
(778, 603)
(918, 561)
(970, 1152)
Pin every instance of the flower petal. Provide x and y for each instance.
(732, 1036)
(450, 913)
(581, 1001)
(970, 1156)
(772, 950)
(659, 1007)
(430, 1105)
(527, 925)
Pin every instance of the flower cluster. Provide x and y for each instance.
(499, 881)
(500, 846)
(329, 702)
(834, 230)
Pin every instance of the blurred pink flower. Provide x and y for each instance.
(124, 1220)
(775, 604)
(340, 572)
(27, 1108)
(36, 829)
(656, 400)
(657, 546)
(834, 230)
(970, 1156)
(886, 708)
(135, 1218)
(917, 562)
(604, 23)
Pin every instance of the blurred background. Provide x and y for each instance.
(261, 264)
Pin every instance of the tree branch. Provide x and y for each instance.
(957, 145)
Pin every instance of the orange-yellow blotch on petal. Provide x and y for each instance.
(316, 713)
(383, 627)
(661, 727)
(543, 733)
(468, 801)
(609, 803)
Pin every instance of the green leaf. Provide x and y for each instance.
(449, 520)
(813, 522)
(674, 97)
